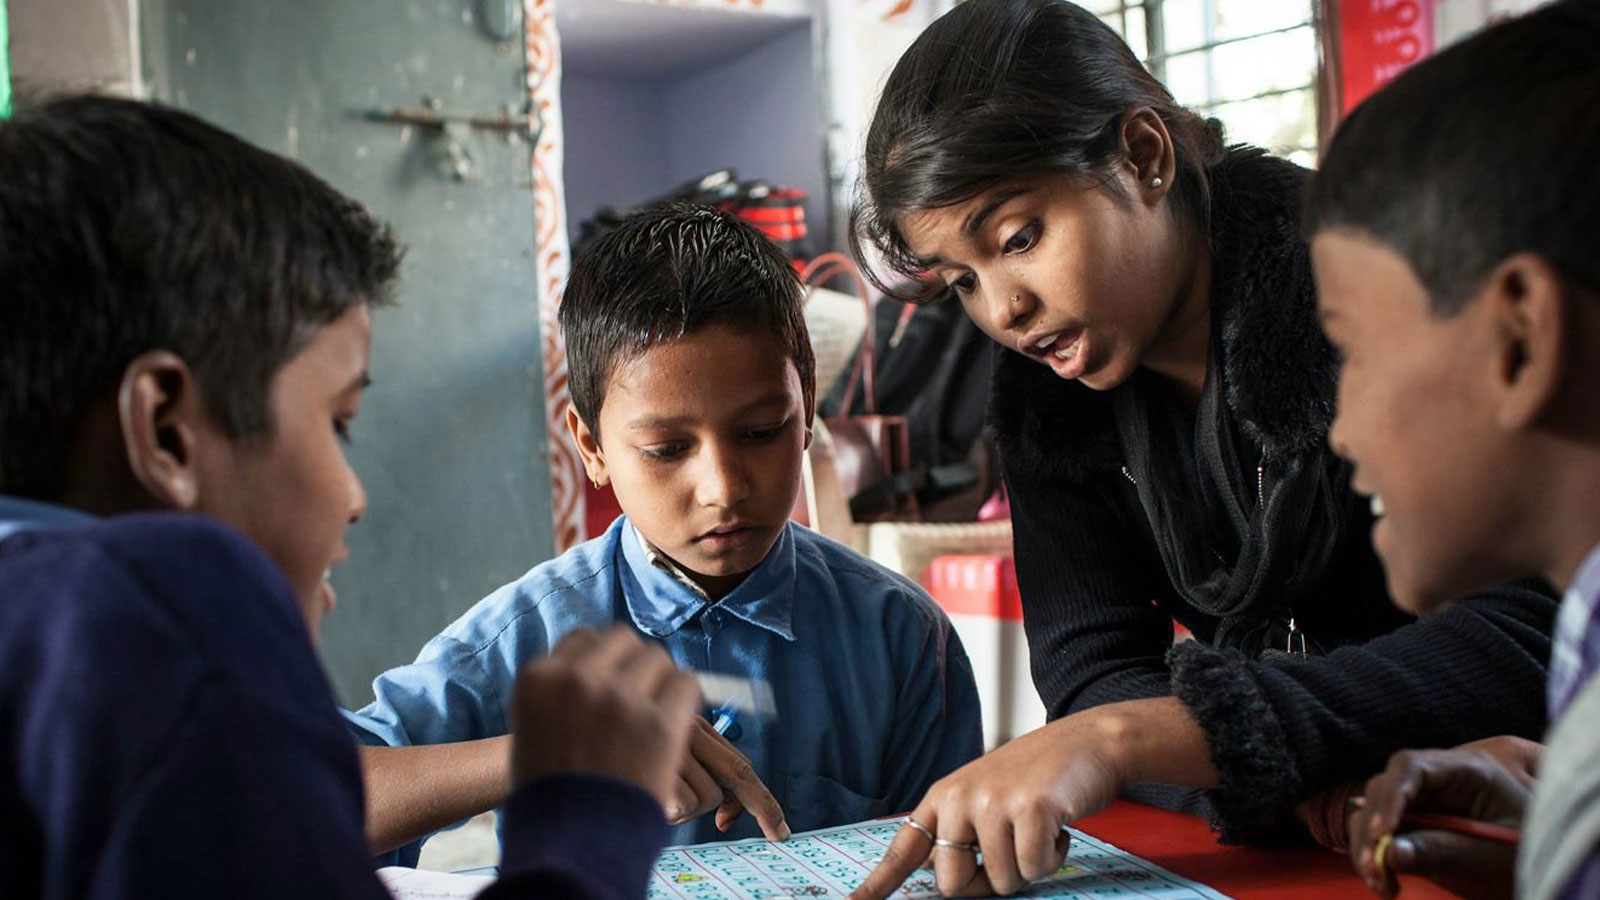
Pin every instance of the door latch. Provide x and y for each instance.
(455, 127)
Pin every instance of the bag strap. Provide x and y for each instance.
(822, 269)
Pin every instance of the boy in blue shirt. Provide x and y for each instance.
(1456, 219)
(692, 395)
(184, 328)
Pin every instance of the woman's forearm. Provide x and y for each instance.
(1154, 740)
(415, 791)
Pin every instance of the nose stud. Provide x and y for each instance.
(1015, 299)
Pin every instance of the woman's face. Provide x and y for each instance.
(1076, 277)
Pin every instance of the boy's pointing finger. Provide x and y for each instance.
(739, 781)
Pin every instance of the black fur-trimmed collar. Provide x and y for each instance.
(1279, 372)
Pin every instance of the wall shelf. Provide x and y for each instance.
(648, 38)
(655, 94)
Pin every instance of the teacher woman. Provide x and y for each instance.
(1162, 419)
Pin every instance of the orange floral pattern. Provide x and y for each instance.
(553, 257)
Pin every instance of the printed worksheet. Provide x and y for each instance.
(831, 862)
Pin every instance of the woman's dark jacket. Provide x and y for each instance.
(1132, 510)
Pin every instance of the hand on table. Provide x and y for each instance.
(1012, 804)
(604, 703)
(1472, 781)
(715, 775)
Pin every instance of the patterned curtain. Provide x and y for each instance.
(554, 257)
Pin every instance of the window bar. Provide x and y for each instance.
(1122, 16)
(1209, 10)
(1155, 40)
(1223, 42)
(1211, 105)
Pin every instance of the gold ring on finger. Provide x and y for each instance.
(1380, 853)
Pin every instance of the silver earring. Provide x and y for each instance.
(1156, 182)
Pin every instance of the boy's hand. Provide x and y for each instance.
(605, 703)
(715, 775)
(1328, 813)
(1517, 755)
(1468, 781)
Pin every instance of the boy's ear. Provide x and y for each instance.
(162, 417)
(1529, 302)
(594, 459)
(1152, 161)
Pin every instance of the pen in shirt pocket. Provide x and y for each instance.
(722, 719)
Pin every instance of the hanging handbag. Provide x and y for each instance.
(934, 370)
(872, 452)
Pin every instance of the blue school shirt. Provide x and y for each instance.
(874, 694)
(167, 731)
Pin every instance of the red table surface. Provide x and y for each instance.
(1184, 845)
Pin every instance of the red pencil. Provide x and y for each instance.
(1470, 827)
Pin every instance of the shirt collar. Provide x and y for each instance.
(17, 514)
(1586, 583)
(667, 598)
(1575, 645)
(660, 561)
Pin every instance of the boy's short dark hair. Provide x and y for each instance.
(668, 271)
(127, 227)
(1489, 149)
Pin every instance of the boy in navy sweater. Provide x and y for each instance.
(184, 334)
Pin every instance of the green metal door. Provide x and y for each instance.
(451, 442)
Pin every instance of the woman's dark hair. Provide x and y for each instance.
(127, 227)
(998, 90)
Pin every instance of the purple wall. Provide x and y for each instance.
(632, 139)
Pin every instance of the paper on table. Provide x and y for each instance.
(832, 861)
(828, 864)
(421, 884)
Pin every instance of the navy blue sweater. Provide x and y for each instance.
(166, 731)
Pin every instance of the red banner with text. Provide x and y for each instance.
(1378, 39)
